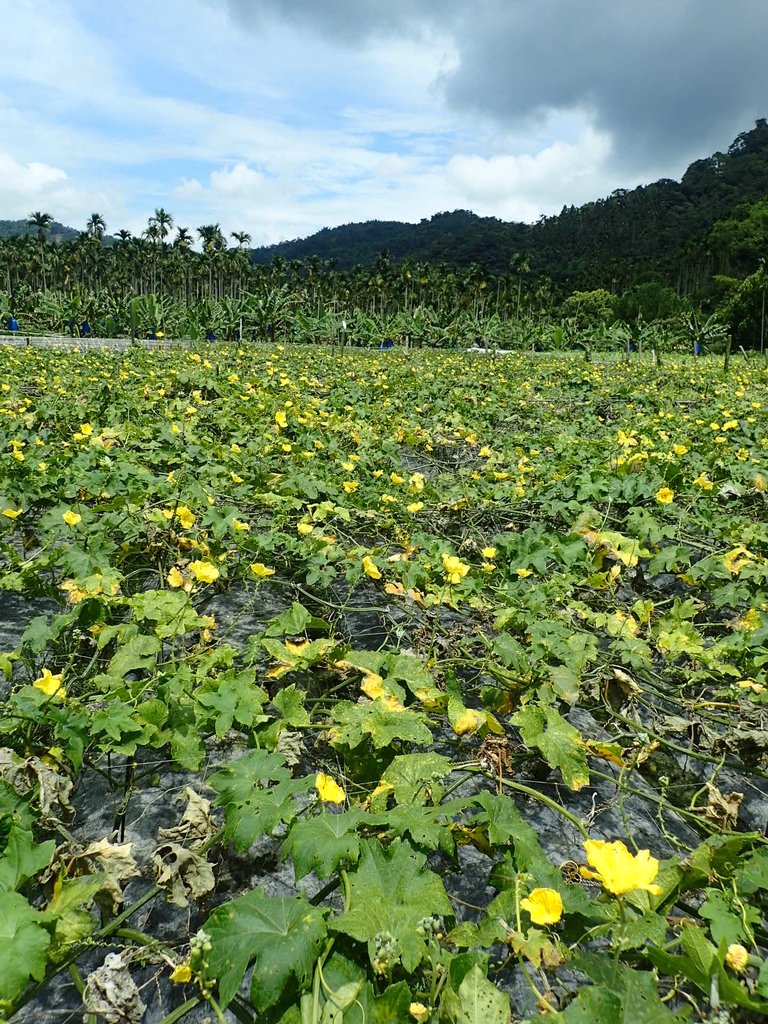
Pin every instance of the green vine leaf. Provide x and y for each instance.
(391, 893)
(24, 943)
(480, 1002)
(281, 937)
(560, 743)
(322, 843)
(375, 720)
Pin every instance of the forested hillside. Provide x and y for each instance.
(656, 231)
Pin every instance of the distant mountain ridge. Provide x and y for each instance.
(56, 232)
(648, 229)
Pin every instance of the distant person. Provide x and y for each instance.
(211, 336)
(13, 325)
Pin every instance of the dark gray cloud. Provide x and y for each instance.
(349, 20)
(667, 78)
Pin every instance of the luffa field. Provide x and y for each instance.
(353, 686)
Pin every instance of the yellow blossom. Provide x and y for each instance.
(281, 420)
(370, 568)
(737, 957)
(86, 429)
(545, 906)
(175, 428)
(703, 481)
(305, 529)
(12, 513)
(468, 722)
(259, 569)
(204, 572)
(50, 684)
(455, 569)
(174, 577)
(396, 478)
(71, 518)
(416, 482)
(181, 974)
(488, 553)
(415, 506)
(523, 573)
(735, 559)
(235, 478)
(350, 486)
(329, 791)
(618, 870)
(239, 525)
(665, 496)
(731, 425)
(185, 516)
(680, 449)
(418, 1010)
(759, 483)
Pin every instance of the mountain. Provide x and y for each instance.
(660, 230)
(56, 232)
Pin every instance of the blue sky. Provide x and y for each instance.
(280, 117)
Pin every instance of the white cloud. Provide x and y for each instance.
(280, 128)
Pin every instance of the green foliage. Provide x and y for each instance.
(280, 938)
(391, 894)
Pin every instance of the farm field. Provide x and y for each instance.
(359, 686)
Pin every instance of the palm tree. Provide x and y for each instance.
(241, 237)
(41, 221)
(96, 226)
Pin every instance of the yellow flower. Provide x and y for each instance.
(370, 568)
(235, 478)
(12, 513)
(414, 507)
(71, 518)
(305, 529)
(181, 974)
(665, 496)
(86, 429)
(468, 722)
(731, 425)
(238, 525)
(759, 483)
(261, 570)
(735, 560)
(205, 572)
(544, 905)
(680, 449)
(523, 573)
(174, 577)
(281, 420)
(175, 428)
(185, 516)
(350, 486)
(703, 481)
(416, 482)
(455, 569)
(618, 870)
(418, 1010)
(737, 957)
(488, 553)
(330, 792)
(50, 684)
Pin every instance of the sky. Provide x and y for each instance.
(281, 117)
